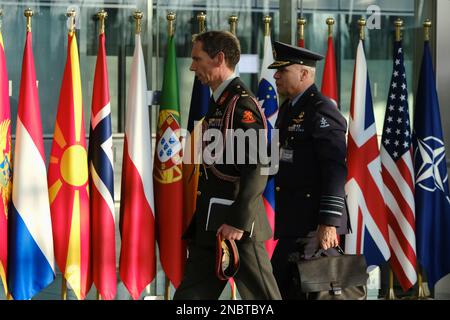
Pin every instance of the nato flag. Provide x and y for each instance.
(431, 194)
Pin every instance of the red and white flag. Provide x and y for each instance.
(364, 187)
(398, 176)
(137, 220)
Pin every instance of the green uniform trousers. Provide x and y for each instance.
(254, 279)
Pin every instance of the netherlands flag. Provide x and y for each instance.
(267, 97)
(31, 257)
(364, 187)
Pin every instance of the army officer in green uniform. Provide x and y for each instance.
(229, 197)
(309, 199)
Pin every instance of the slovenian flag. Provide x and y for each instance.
(267, 97)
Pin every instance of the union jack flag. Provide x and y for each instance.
(364, 187)
(398, 175)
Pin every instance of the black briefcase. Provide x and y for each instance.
(323, 277)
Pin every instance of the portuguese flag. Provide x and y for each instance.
(167, 174)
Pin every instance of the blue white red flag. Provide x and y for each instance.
(31, 256)
(101, 182)
(364, 187)
(267, 97)
(398, 175)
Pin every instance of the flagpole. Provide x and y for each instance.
(171, 16)
(266, 21)
(7, 292)
(426, 29)
(201, 18)
(71, 16)
(362, 25)
(301, 22)
(63, 288)
(421, 292)
(330, 22)
(390, 295)
(233, 20)
(101, 15)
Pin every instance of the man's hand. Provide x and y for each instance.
(327, 237)
(230, 233)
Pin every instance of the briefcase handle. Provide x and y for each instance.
(322, 253)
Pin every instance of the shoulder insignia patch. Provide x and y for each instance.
(247, 117)
(324, 123)
(300, 117)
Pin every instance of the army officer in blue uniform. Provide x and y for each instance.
(310, 199)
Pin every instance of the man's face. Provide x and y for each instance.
(289, 80)
(203, 66)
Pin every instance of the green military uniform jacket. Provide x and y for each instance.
(231, 193)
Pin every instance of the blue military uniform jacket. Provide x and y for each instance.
(312, 170)
(221, 184)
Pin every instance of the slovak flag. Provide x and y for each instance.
(364, 187)
(31, 256)
(267, 97)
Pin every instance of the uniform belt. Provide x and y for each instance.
(227, 258)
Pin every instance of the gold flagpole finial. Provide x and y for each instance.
(233, 20)
(301, 23)
(330, 22)
(427, 29)
(201, 18)
(28, 13)
(71, 15)
(267, 20)
(138, 15)
(101, 15)
(171, 16)
(362, 25)
(398, 29)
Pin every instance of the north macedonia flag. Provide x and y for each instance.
(68, 180)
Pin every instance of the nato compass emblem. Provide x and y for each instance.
(429, 159)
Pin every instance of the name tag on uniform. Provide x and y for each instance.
(296, 128)
(287, 155)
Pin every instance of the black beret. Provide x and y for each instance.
(285, 55)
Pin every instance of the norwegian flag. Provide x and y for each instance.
(101, 181)
(398, 175)
(364, 187)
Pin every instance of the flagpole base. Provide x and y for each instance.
(390, 295)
